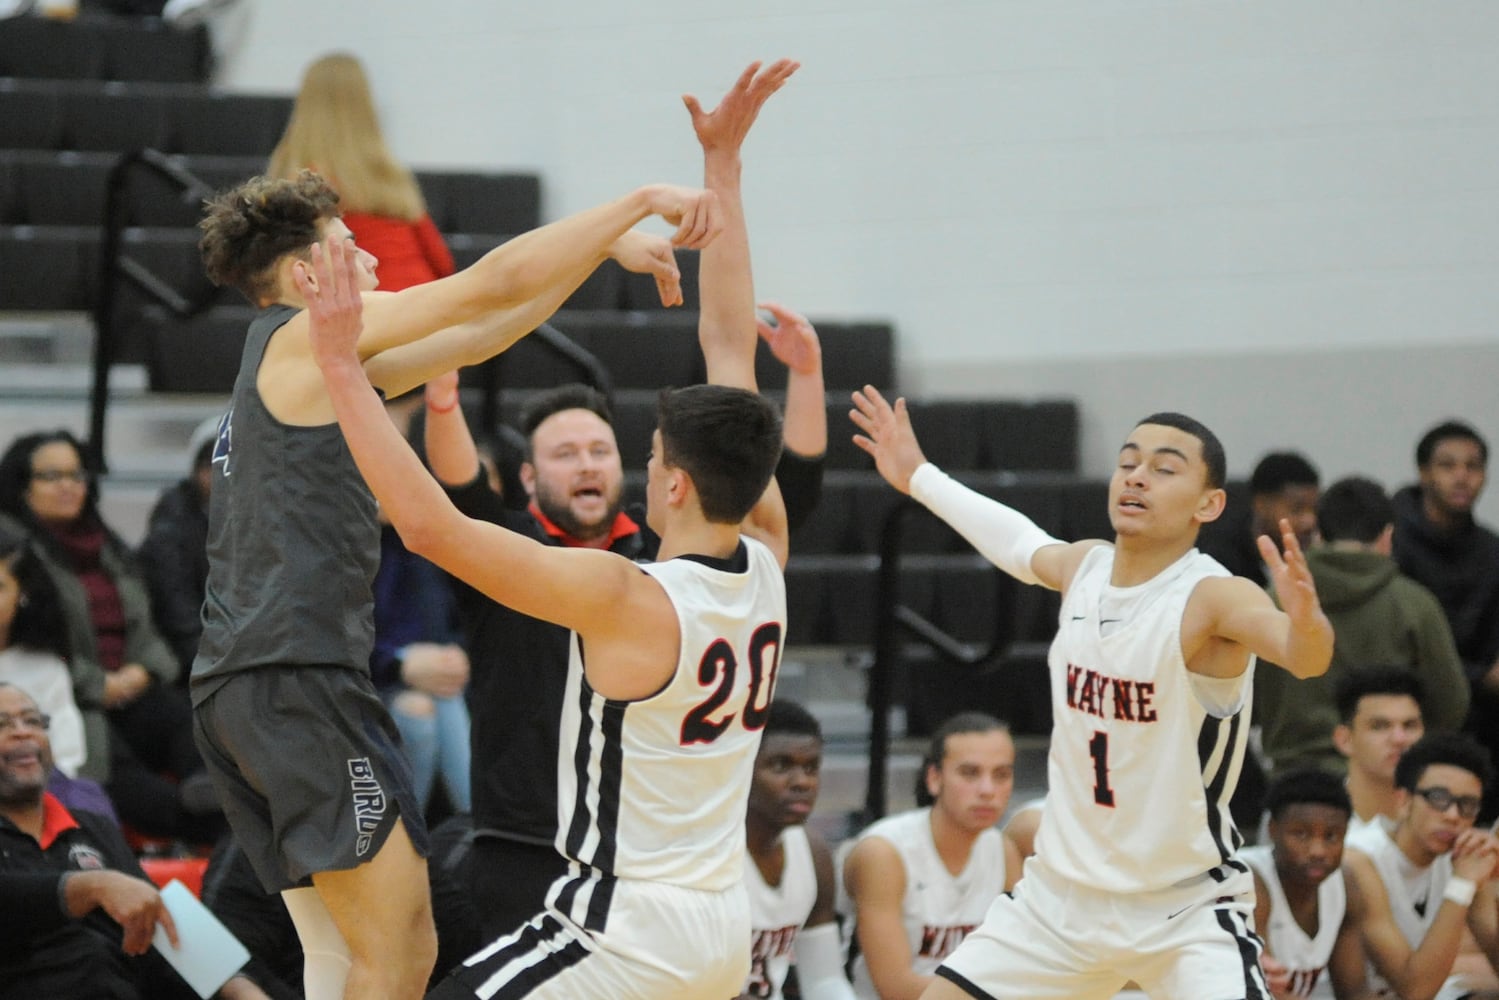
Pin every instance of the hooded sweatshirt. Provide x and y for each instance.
(1379, 618)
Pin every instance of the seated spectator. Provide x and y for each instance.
(1441, 546)
(788, 869)
(174, 555)
(79, 913)
(1413, 888)
(1283, 485)
(119, 664)
(918, 882)
(1301, 903)
(1378, 617)
(1380, 713)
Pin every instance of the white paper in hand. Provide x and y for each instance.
(209, 954)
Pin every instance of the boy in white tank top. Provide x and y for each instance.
(918, 882)
(1379, 709)
(1311, 950)
(1412, 889)
(1134, 875)
(788, 868)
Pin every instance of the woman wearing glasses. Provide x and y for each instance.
(121, 668)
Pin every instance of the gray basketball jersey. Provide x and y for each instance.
(293, 543)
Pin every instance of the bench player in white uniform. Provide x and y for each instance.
(1134, 875)
(1300, 910)
(919, 881)
(672, 671)
(1380, 713)
(1412, 890)
(788, 868)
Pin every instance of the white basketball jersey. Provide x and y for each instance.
(657, 788)
(1305, 957)
(939, 909)
(1141, 769)
(778, 912)
(1414, 911)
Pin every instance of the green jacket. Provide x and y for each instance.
(1379, 619)
(143, 644)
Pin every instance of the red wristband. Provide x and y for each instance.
(444, 409)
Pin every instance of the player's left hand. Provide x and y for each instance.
(1277, 977)
(723, 129)
(643, 253)
(792, 339)
(330, 287)
(1291, 577)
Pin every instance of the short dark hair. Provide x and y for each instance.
(792, 719)
(1446, 431)
(572, 396)
(1306, 786)
(15, 477)
(1363, 682)
(936, 751)
(1443, 748)
(728, 440)
(1354, 510)
(249, 228)
(1280, 469)
(39, 623)
(1212, 449)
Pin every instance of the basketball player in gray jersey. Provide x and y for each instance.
(302, 752)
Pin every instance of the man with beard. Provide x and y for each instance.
(1412, 890)
(80, 912)
(1439, 545)
(574, 479)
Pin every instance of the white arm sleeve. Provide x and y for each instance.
(1004, 536)
(819, 964)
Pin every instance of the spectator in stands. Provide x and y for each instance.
(1414, 887)
(574, 479)
(1283, 485)
(919, 881)
(1440, 545)
(788, 869)
(1301, 901)
(72, 888)
(1380, 713)
(420, 667)
(334, 130)
(1379, 617)
(118, 661)
(174, 555)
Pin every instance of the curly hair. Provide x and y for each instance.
(249, 228)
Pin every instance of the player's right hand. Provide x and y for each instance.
(694, 211)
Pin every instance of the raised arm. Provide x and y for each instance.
(793, 341)
(727, 324)
(1004, 536)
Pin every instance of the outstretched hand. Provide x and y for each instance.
(888, 436)
(723, 129)
(793, 340)
(1291, 576)
(643, 253)
(330, 287)
(694, 211)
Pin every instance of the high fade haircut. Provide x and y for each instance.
(1281, 469)
(1446, 431)
(1364, 682)
(573, 396)
(1306, 786)
(792, 719)
(1354, 510)
(1443, 748)
(936, 751)
(249, 228)
(1213, 456)
(727, 440)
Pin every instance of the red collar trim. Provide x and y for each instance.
(56, 819)
(622, 527)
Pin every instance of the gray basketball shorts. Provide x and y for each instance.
(309, 768)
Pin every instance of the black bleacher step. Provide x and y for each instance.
(96, 47)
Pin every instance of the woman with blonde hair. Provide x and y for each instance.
(334, 130)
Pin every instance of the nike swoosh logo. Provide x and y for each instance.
(1079, 618)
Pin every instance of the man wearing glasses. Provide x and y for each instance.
(1414, 886)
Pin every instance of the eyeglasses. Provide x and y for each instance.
(1441, 800)
(40, 721)
(58, 475)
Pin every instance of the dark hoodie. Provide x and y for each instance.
(1379, 618)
